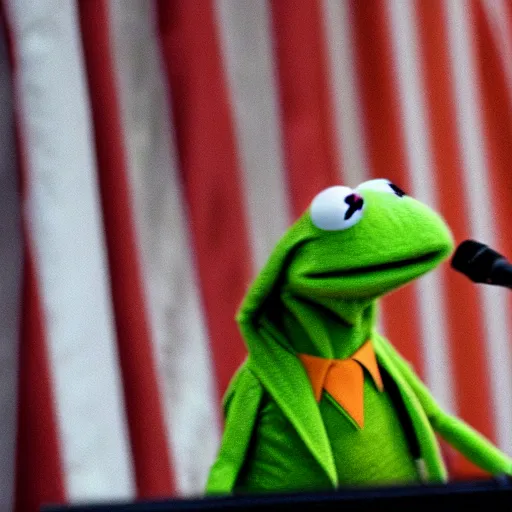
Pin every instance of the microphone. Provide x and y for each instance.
(482, 264)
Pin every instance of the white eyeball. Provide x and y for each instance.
(336, 208)
(381, 185)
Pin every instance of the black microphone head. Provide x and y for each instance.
(475, 260)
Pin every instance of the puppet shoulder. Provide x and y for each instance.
(241, 405)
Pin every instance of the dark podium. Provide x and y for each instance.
(493, 494)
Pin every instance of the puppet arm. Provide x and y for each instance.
(240, 408)
(461, 436)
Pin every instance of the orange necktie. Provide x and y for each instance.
(343, 379)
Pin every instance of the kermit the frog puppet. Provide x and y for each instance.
(323, 400)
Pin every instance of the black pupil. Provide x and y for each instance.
(355, 203)
(397, 190)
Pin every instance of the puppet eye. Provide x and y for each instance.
(381, 185)
(336, 208)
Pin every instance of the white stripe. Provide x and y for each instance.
(344, 91)
(10, 280)
(496, 12)
(471, 138)
(418, 149)
(181, 344)
(247, 50)
(65, 221)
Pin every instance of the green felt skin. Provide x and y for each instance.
(317, 295)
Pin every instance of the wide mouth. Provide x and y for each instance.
(379, 267)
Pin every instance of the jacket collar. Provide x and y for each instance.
(284, 377)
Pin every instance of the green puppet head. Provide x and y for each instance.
(365, 242)
(349, 248)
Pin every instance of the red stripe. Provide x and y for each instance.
(146, 423)
(508, 23)
(465, 323)
(497, 121)
(496, 104)
(307, 108)
(39, 475)
(384, 134)
(209, 171)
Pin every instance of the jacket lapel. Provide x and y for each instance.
(283, 375)
(428, 445)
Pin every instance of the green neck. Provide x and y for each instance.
(328, 328)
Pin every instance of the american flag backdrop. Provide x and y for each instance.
(152, 154)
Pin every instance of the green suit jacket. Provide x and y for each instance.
(295, 397)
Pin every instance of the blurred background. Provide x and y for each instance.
(152, 154)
